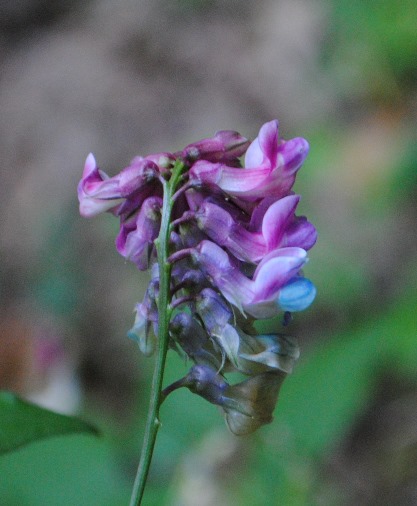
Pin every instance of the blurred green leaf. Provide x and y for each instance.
(321, 400)
(22, 422)
(73, 470)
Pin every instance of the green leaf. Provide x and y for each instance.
(22, 422)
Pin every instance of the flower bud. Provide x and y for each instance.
(206, 382)
(215, 222)
(193, 339)
(226, 145)
(213, 309)
(135, 240)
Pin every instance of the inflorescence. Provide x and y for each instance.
(235, 253)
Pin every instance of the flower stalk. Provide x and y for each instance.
(164, 317)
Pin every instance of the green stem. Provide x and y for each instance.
(164, 316)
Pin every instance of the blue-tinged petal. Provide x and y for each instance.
(142, 333)
(296, 295)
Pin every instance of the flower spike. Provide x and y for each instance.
(225, 248)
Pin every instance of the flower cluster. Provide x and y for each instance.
(235, 254)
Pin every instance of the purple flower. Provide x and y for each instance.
(256, 295)
(236, 250)
(97, 192)
(270, 167)
(278, 227)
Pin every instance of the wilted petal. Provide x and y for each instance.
(250, 404)
(267, 351)
(228, 340)
(247, 405)
(141, 332)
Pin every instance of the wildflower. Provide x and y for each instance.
(225, 248)
(258, 295)
(278, 228)
(270, 167)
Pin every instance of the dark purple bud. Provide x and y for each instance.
(136, 236)
(191, 234)
(215, 222)
(226, 145)
(192, 280)
(133, 177)
(193, 339)
(213, 309)
(206, 382)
